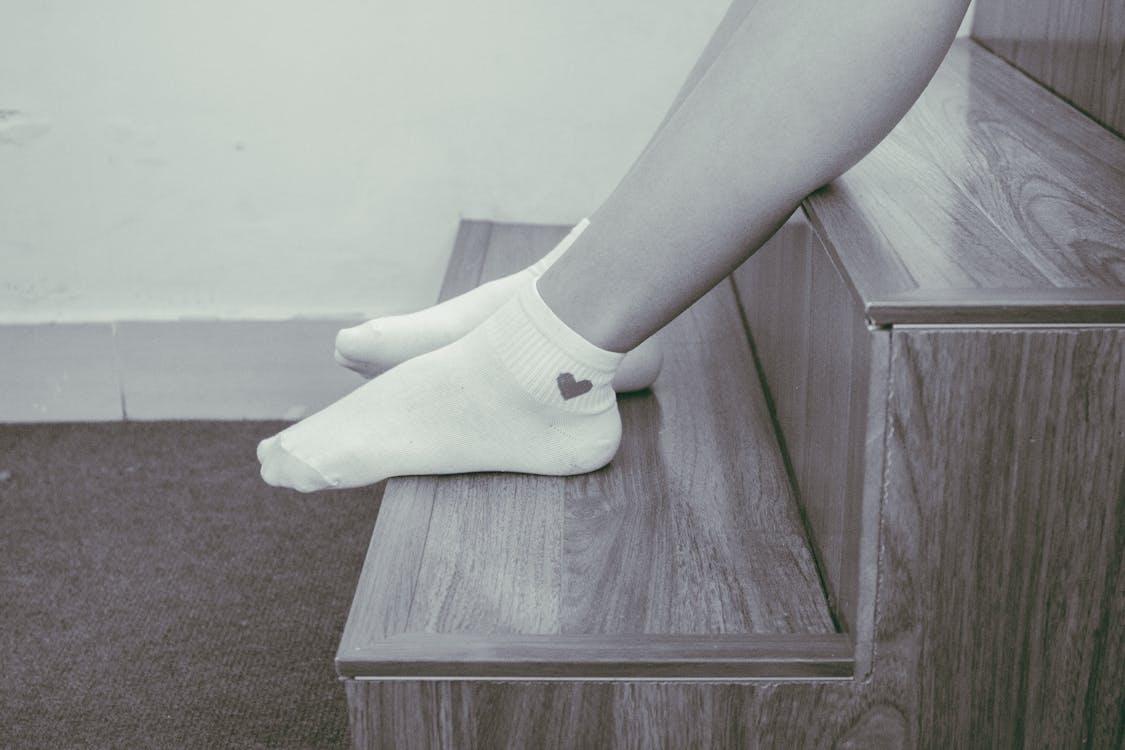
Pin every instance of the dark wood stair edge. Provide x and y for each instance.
(1000, 307)
(978, 305)
(718, 657)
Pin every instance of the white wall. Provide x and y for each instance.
(162, 159)
(264, 159)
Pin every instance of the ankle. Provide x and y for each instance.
(605, 323)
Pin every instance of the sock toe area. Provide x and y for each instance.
(355, 343)
(281, 468)
(264, 448)
(508, 396)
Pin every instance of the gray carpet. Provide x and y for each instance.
(155, 593)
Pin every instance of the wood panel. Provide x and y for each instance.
(999, 307)
(540, 657)
(381, 606)
(482, 581)
(1075, 47)
(1061, 211)
(1000, 524)
(656, 715)
(989, 182)
(1001, 606)
(774, 288)
(692, 529)
(492, 556)
(825, 372)
(1003, 532)
(868, 383)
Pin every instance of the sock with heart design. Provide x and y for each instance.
(377, 345)
(521, 392)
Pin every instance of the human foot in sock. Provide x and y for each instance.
(521, 392)
(376, 346)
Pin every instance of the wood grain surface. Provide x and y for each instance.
(692, 529)
(998, 307)
(825, 373)
(1003, 533)
(989, 182)
(1000, 603)
(1072, 46)
(540, 657)
(381, 605)
(623, 714)
(987, 467)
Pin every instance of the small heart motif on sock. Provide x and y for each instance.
(570, 388)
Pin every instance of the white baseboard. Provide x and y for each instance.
(169, 370)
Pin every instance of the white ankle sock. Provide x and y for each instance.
(521, 392)
(376, 346)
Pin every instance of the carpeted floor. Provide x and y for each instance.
(155, 593)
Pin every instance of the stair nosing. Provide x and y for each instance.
(616, 656)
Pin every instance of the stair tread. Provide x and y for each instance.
(692, 528)
(993, 201)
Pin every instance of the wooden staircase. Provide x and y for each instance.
(687, 551)
(897, 521)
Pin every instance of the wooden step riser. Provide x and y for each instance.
(1071, 46)
(985, 467)
(1003, 526)
(621, 714)
(825, 371)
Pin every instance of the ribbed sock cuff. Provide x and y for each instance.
(551, 361)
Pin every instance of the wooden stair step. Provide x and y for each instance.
(685, 556)
(944, 345)
(992, 202)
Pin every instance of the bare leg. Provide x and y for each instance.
(802, 90)
(377, 345)
(725, 31)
